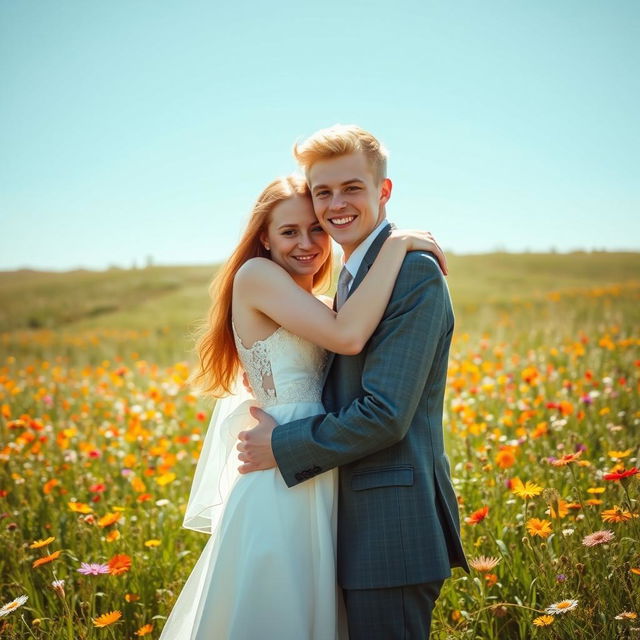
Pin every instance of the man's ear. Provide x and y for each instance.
(385, 191)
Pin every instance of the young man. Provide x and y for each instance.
(398, 523)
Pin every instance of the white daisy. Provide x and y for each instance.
(14, 604)
(561, 607)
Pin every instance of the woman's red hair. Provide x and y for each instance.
(216, 349)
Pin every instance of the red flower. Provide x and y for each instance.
(97, 488)
(477, 516)
(619, 475)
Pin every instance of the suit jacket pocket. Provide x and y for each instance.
(396, 476)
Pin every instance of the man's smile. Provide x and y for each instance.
(342, 221)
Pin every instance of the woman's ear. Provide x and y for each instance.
(264, 241)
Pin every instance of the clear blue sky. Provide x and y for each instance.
(135, 128)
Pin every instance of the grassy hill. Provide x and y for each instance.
(164, 303)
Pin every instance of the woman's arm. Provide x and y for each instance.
(268, 288)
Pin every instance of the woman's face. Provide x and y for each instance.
(295, 239)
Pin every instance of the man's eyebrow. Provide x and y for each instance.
(342, 184)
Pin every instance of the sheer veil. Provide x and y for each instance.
(217, 468)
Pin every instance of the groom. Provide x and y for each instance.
(398, 524)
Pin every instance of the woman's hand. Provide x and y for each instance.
(417, 240)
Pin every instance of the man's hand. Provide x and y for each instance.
(255, 444)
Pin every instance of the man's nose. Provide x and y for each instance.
(337, 202)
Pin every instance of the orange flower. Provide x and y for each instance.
(144, 630)
(46, 559)
(622, 474)
(538, 527)
(106, 619)
(506, 458)
(563, 509)
(109, 519)
(617, 514)
(567, 459)
(477, 516)
(48, 486)
(132, 597)
(119, 564)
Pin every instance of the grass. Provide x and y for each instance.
(99, 434)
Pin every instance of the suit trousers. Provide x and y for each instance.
(398, 613)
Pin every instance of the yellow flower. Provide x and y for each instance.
(165, 478)
(526, 490)
(106, 619)
(538, 527)
(563, 509)
(113, 535)
(543, 621)
(620, 454)
(41, 543)
(79, 507)
(627, 615)
(595, 490)
(152, 543)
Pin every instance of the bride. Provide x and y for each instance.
(268, 569)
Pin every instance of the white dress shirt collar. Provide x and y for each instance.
(356, 258)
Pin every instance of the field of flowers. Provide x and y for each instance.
(100, 432)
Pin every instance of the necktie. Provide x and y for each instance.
(343, 287)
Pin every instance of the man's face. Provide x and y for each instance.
(347, 199)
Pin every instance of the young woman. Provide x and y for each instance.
(268, 570)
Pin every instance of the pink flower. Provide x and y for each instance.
(93, 568)
(598, 537)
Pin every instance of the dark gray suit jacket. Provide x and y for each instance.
(398, 520)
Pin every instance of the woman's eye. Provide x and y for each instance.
(288, 232)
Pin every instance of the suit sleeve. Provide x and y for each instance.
(396, 370)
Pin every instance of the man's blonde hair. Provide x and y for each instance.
(341, 140)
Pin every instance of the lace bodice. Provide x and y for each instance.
(283, 368)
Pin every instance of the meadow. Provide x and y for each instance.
(100, 433)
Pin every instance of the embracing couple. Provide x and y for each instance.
(341, 521)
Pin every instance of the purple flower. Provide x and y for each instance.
(586, 399)
(561, 577)
(93, 568)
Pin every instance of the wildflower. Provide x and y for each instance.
(567, 532)
(106, 619)
(566, 459)
(490, 579)
(484, 564)
(13, 605)
(543, 621)
(560, 510)
(477, 516)
(595, 490)
(598, 537)
(41, 543)
(526, 490)
(113, 535)
(627, 615)
(144, 630)
(538, 527)
(622, 474)
(79, 507)
(152, 543)
(109, 519)
(166, 478)
(635, 570)
(119, 564)
(93, 568)
(46, 559)
(617, 514)
(506, 458)
(620, 454)
(561, 607)
(561, 577)
(58, 587)
(132, 597)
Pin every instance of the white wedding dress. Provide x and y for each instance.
(269, 569)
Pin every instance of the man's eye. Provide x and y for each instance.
(318, 228)
(321, 194)
(353, 187)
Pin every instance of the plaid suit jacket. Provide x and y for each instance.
(398, 521)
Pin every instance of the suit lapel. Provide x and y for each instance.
(367, 261)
